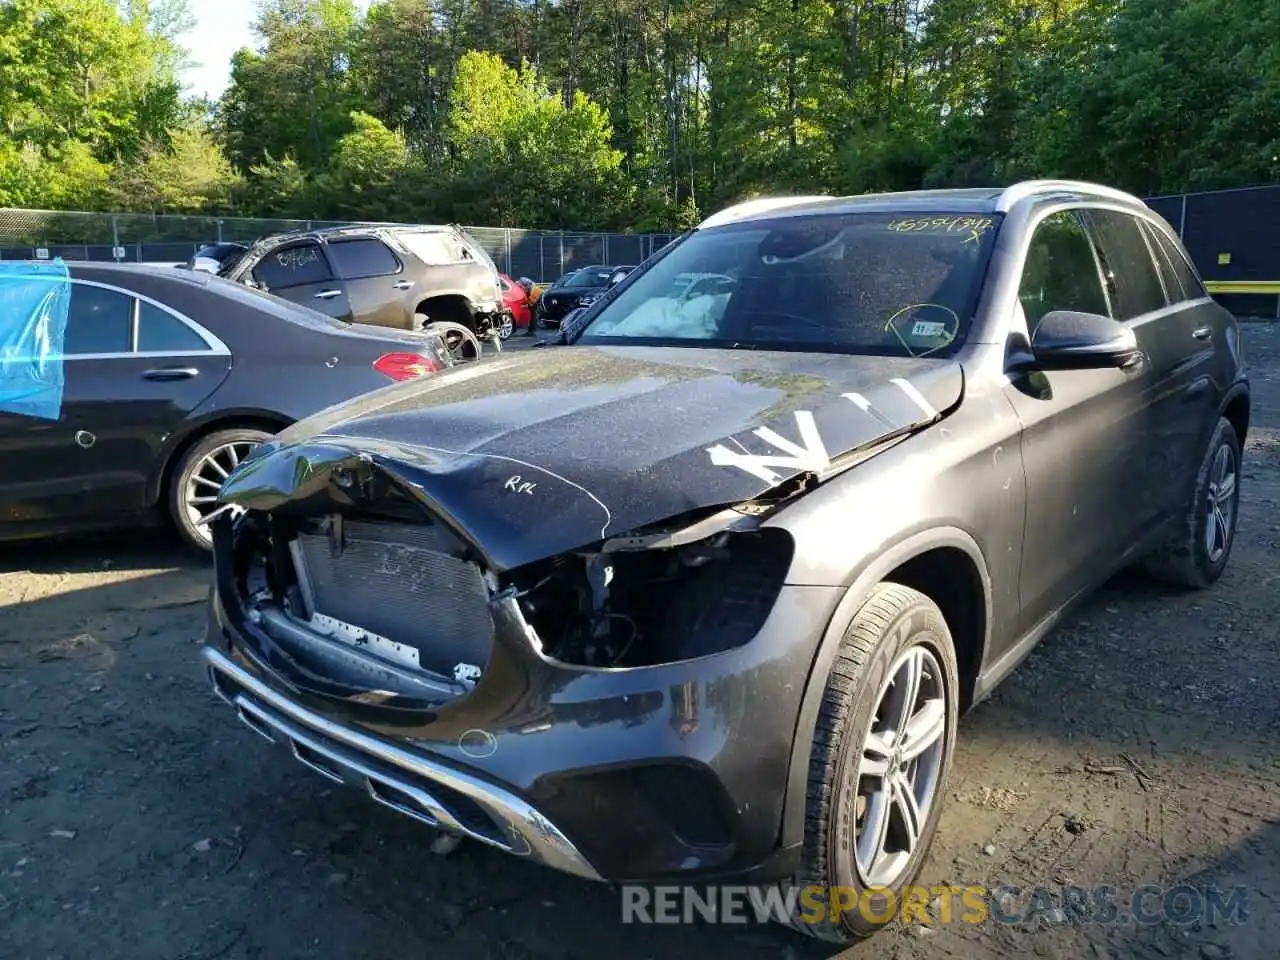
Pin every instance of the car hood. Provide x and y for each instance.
(531, 455)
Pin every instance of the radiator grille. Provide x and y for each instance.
(393, 580)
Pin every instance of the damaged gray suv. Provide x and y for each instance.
(701, 590)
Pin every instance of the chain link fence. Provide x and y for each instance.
(1233, 237)
(541, 255)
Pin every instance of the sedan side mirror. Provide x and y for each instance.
(1072, 340)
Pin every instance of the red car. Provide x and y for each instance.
(516, 300)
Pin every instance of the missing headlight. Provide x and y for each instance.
(641, 607)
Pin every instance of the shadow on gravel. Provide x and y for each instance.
(145, 549)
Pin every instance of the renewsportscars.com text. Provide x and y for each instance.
(971, 904)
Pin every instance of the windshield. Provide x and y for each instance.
(876, 283)
(589, 277)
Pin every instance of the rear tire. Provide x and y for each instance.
(1196, 556)
(871, 814)
(195, 478)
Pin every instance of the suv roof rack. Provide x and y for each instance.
(751, 208)
(1030, 188)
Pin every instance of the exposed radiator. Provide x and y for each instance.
(394, 580)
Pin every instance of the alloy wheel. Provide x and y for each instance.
(507, 326)
(200, 496)
(900, 767)
(1220, 504)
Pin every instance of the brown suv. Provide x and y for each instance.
(392, 276)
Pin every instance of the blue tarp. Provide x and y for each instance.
(34, 300)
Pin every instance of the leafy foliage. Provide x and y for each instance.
(632, 114)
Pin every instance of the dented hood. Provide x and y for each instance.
(535, 454)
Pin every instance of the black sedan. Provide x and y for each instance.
(581, 290)
(170, 378)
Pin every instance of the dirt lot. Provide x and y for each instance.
(1139, 745)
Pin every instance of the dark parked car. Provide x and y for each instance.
(579, 290)
(216, 257)
(393, 276)
(620, 273)
(704, 591)
(170, 378)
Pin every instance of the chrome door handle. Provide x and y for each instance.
(171, 373)
(403, 285)
(1203, 333)
(328, 294)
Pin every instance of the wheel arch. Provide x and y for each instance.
(1236, 408)
(944, 563)
(455, 299)
(158, 485)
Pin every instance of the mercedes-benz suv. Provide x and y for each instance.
(703, 590)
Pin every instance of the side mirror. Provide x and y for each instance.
(1071, 340)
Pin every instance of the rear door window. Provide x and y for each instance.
(1127, 263)
(98, 321)
(161, 332)
(362, 258)
(296, 265)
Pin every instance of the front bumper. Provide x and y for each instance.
(408, 783)
(632, 774)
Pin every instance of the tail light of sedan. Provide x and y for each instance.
(406, 366)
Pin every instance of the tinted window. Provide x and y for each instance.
(851, 283)
(162, 332)
(99, 321)
(357, 259)
(1173, 261)
(293, 266)
(1061, 272)
(1130, 271)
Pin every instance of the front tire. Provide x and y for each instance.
(197, 477)
(1198, 553)
(881, 754)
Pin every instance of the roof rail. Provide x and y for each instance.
(1028, 188)
(752, 208)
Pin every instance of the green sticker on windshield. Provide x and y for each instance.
(968, 229)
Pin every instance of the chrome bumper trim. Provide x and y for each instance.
(339, 756)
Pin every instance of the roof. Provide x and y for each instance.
(106, 270)
(366, 227)
(970, 200)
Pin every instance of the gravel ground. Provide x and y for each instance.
(1138, 745)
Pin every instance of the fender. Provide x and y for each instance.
(851, 602)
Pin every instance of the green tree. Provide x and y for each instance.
(186, 173)
(291, 96)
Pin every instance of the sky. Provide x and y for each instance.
(222, 28)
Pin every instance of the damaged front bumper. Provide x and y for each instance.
(406, 781)
(620, 773)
